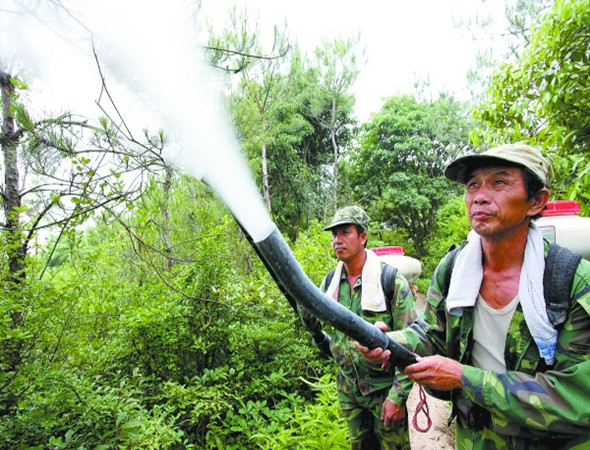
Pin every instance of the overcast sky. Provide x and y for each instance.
(405, 40)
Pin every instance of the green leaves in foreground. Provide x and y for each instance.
(314, 425)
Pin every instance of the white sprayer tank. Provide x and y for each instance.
(561, 224)
(394, 256)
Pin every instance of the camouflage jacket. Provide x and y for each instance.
(531, 405)
(401, 312)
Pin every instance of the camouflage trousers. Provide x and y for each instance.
(363, 416)
(487, 439)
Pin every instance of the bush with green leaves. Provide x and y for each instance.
(452, 227)
(542, 99)
(311, 425)
(134, 346)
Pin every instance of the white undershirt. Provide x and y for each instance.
(490, 328)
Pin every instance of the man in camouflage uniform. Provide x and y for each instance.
(526, 397)
(372, 400)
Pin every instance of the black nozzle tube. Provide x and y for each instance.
(275, 253)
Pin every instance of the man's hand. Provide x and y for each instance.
(436, 372)
(392, 415)
(376, 356)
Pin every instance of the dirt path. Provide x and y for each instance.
(440, 436)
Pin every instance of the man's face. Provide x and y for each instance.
(497, 202)
(347, 243)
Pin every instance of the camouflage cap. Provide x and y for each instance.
(520, 154)
(350, 215)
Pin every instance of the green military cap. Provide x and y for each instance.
(350, 215)
(520, 154)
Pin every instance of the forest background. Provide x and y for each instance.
(135, 314)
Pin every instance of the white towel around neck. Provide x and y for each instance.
(467, 277)
(372, 297)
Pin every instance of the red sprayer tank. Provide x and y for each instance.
(560, 223)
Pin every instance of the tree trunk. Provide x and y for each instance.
(10, 193)
(335, 149)
(265, 182)
(11, 357)
(165, 216)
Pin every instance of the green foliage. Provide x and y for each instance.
(158, 327)
(397, 171)
(339, 63)
(314, 425)
(543, 98)
(276, 137)
(66, 410)
(313, 250)
(452, 227)
(154, 334)
(271, 114)
(287, 110)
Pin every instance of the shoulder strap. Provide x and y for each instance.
(452, 252)
(560, 270)
(328, 278)
(388, 274)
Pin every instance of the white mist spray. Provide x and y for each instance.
(151, 47)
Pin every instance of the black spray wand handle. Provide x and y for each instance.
(321, 339)
(285, 270)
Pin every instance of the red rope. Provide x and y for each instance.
(422, 406)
